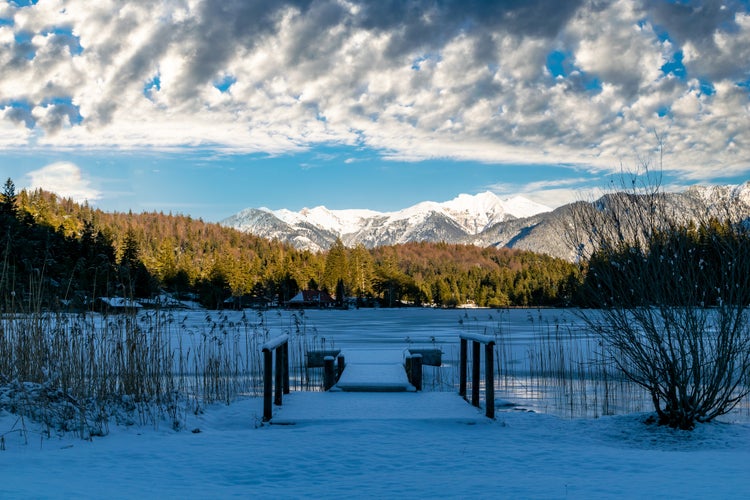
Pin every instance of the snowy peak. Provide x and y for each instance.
(521, 207)
(482, 219)
(338, 221)
(713, 193)
(473, 213)
(479, 203)
(477, 213)
(317, 228)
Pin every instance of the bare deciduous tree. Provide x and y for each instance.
(668, 286)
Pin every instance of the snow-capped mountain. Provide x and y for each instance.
(317, 228)
(482, 219)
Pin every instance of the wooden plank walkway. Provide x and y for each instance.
(331, 407)
(374, 370)
(374, 386)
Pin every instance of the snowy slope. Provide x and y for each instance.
(473, 213)
(453, 221)
(338, 221)
(482, 219)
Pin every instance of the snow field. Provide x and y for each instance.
(519, 455)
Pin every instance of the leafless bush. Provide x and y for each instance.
(668, 291)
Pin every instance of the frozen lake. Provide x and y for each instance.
(419, 326)
(431, 453)
(545, 359)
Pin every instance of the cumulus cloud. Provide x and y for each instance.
(553, 192)
(583, 82)
(64, 179)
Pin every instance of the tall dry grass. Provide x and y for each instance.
(554, 366)
(80, 371)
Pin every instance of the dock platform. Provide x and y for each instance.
(318, 407)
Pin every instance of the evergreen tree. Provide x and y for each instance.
(335, 266)
(136, 279)
(130, 249)
(8, 207)
(340, 293)
(360, 271)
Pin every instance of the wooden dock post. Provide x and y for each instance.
(279, 377)
(328, 377)
(285, 366)
(267, 384)
(475, 371)
(462, 368)
(416, 371)
(489, 370)
(278, 380)
(489, 379)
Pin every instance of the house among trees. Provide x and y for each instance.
(117, 304)
(247, 301)
(311, 298)
(162, 301)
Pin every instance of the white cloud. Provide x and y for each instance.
(554, 198)
(416, 81)
(65, 180)
(13, 132)
(552, 193)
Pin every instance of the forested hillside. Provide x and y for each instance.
(56, 249)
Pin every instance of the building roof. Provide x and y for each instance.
(120, 303)
(312, 297)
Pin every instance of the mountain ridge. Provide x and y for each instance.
(482, 219)
(318, 228)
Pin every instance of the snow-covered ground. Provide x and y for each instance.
(519, 455)
(379, 447)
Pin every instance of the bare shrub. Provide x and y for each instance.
(668, 287)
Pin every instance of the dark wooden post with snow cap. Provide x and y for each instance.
(416, 371)
(279, 377)
(489, 370)
(489, 379)
(267, 384)
(462, 368)
(281, 380)
(285, 367)
(476, 362)
(328, 375)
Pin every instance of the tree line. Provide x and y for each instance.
(56, 249)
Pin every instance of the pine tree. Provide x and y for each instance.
(335, 266)
(8, 206)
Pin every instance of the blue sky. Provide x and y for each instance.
(213, 186)
(207, 107)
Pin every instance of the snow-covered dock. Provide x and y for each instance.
(374, 386)
(374, 370)
(327, 407)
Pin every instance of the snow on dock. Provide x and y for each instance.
(374, 378)
(374, 386)
(374, 370)
(328, 407)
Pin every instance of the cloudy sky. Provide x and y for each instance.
(206, 107)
